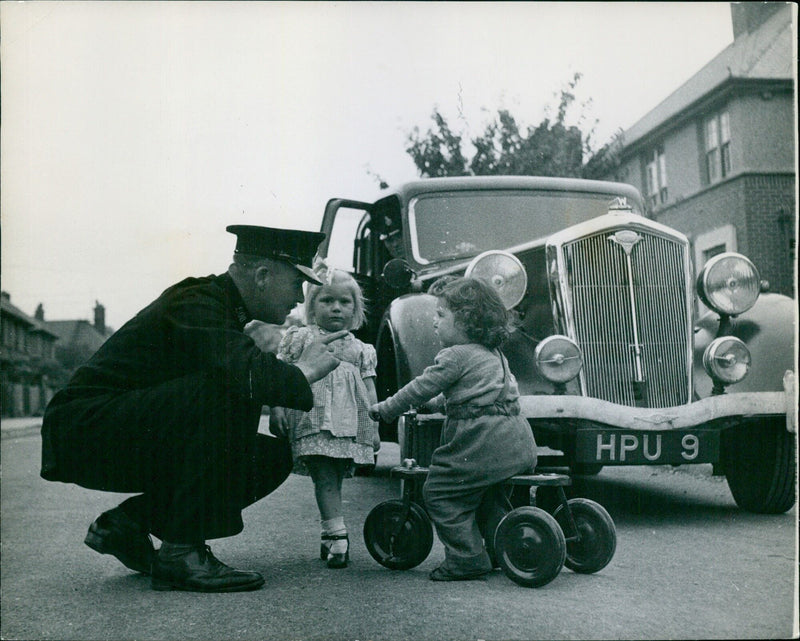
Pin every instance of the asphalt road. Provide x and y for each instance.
(689, 565)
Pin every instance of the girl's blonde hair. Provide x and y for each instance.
(330, 276)
(477, 309)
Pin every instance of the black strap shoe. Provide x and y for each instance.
(115, 533)
(335, 560)
(196, 569)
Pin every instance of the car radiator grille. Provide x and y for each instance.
(603, 323)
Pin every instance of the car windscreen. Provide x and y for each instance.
(449, 225)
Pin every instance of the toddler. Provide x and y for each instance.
(484, 439)
(338, 434)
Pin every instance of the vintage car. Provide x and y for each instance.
(622, 354)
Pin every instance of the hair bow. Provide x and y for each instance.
(323, 271)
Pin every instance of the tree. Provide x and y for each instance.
(438, 153)
(552, 148)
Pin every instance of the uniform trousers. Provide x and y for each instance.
(189, 446)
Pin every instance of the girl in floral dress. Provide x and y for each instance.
(337, 434)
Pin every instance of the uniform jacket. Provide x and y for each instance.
(195, 326)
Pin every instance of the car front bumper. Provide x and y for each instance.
(696, 414)
(609, 434)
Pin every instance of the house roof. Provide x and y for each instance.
(763, 54)
(13, 310)
(33, 324)
(76, 332)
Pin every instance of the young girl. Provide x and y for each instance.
(338, 434)
(484, 439)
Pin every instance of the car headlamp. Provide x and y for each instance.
(727, 360)
(504, 272)
(729, 284)
(558, 358)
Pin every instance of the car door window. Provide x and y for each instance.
(345, 249)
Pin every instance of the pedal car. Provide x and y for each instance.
(530, 545)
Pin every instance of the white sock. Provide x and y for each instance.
(335, 526)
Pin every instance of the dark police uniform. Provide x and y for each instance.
(169, 407)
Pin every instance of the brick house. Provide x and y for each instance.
(29, 371)
(716, 158)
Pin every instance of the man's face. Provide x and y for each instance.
(279, 291)
(394, 243)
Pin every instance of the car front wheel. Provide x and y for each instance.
(759, 463)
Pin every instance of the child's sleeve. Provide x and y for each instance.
(293, 343)
(369, 361)
(445, 371)
(436, 404)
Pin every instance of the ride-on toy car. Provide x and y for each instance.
(622, 354)
(529, 544)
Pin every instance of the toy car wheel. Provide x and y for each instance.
(530, 546)
(396, 539)
(597, 535)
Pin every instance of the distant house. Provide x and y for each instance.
(37, 357)
(78, 340)
(716, 158)
(29, 371)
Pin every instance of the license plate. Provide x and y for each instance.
(621, 447)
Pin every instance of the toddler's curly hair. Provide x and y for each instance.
(478, 310)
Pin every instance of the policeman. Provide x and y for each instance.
(168, 408)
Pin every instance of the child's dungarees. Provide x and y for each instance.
(481, 446)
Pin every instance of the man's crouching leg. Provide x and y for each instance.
(185, 561)
(194, 452)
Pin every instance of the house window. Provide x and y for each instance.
(718, 147)
(657, 178)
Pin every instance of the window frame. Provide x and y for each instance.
(717, 143)
(656, 177)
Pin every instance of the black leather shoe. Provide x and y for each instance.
(335, 560)
(196, 569)
(114, 532)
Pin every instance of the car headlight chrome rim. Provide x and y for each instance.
(727, 360)
(558, 358)
(729, 283)
(504, 272)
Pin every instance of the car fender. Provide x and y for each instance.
(407, 327)
(408, 338)
(768, 330)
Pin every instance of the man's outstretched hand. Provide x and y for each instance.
(317, 361)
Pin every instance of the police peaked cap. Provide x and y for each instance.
(288, 245)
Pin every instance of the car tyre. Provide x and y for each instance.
(759, 463)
